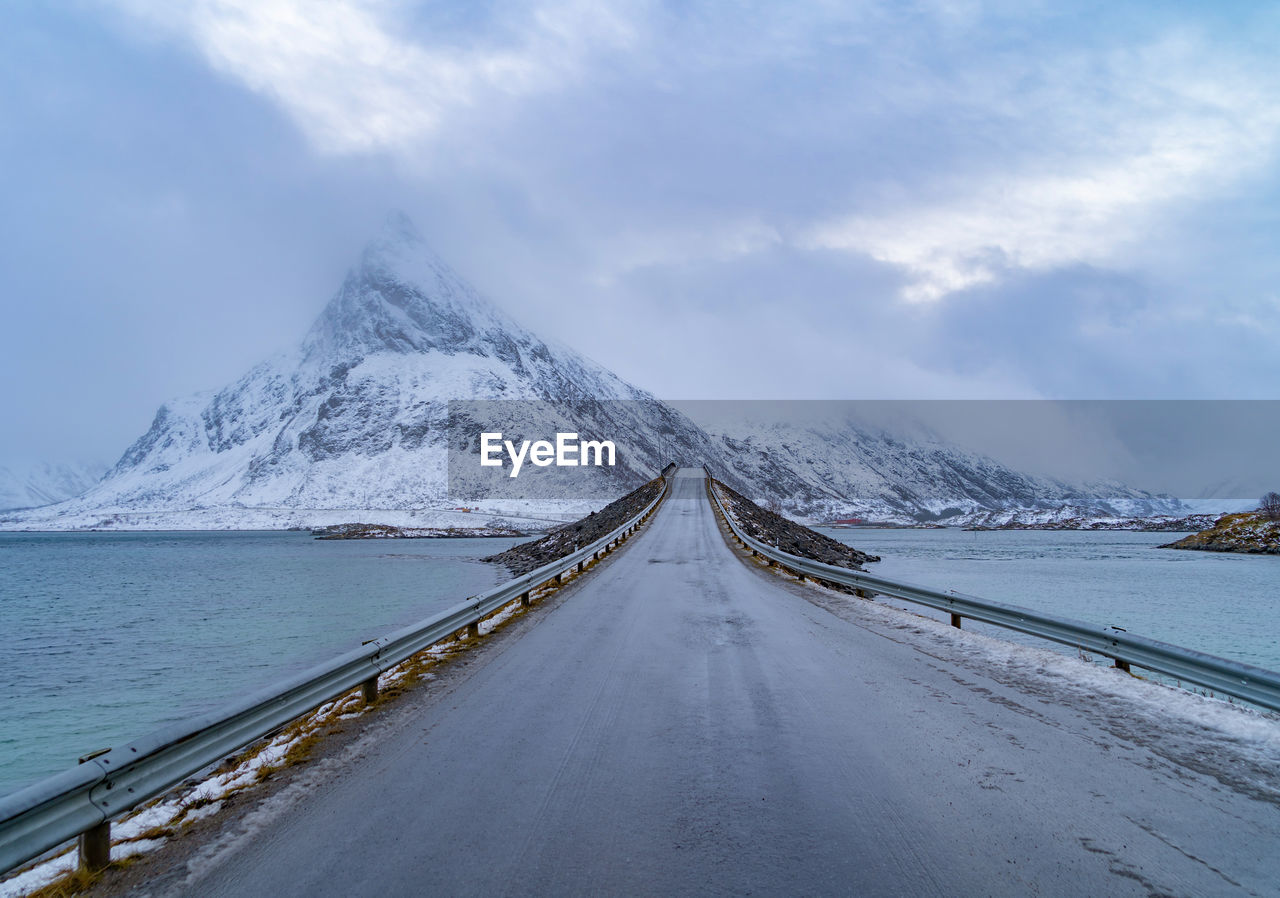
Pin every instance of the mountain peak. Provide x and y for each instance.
(402, 297)
(398, 242)
(399, 226)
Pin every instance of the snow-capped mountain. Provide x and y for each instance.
(46, 483)
(356, 423)
(357, 417)
(839, 466)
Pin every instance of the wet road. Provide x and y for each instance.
(682, 723)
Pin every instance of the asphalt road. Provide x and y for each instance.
(683, 723)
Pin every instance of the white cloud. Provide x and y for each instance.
(681, 244)
(353, 79)
(1151, 130)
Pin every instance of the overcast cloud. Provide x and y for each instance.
(800, 200)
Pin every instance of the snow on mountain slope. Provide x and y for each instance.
(44, 484)
(354, 425)
(843, 467)
(357, 417)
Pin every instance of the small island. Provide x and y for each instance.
(388, 531)
(1250, 532)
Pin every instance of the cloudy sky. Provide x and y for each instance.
(826, 200)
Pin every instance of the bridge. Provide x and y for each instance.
(682, 720)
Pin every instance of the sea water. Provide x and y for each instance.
(107, 636)
(1223, 604)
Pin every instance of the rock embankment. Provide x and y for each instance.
(787, 535)
(567, 539)
(1249, 533)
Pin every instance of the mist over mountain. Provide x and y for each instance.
(356, 418)
(354, 423)
(46, 483)
(844, 467)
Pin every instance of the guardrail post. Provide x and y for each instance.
(369, 690)
(524, 599)
(800, 574)
(580, 566)
(473, 630)
(1122, 665)
(955, 620)
(95, 847)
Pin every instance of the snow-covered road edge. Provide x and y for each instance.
(1237, 744)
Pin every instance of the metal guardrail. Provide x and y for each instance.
(83, 800)
(1253, 684)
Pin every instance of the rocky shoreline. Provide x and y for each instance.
(388, 531)
(790, 537)
(1248, 533)
(567, 539)
(1159, 524)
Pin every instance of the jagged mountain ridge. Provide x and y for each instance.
(845, 468)
(357, 418)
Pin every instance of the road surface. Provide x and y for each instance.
(685, 723)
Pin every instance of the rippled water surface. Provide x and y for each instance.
(1218, 603)
(106, 636)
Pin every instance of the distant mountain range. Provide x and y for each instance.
(354, 424)
(843, 467)
(44, 484)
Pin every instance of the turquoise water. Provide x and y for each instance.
(1222, 604)
(106, 636)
